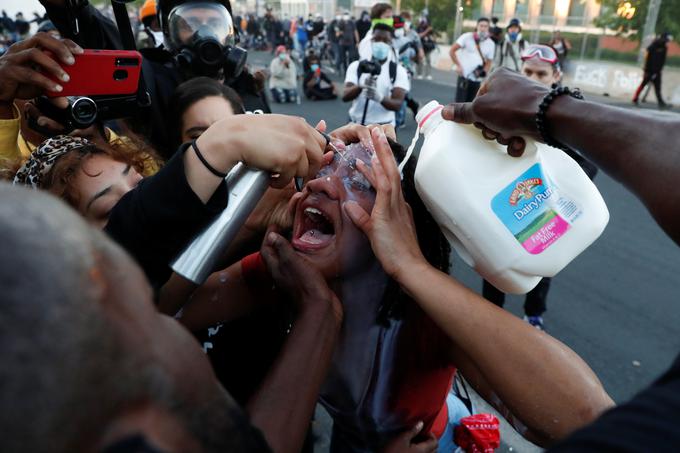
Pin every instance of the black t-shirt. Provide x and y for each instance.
(158, 218)
(656, 56)
(650, 422)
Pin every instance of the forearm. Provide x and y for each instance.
(351, 93)
(392, 103)
(452, 54)
(221, 156)
(512, 356)
(644, 155)
(283, 407)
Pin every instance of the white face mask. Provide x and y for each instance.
(157, 37)
(345, 17)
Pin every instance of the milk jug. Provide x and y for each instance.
(514, 220)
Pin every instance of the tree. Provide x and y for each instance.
(633, 27)
(442, 13)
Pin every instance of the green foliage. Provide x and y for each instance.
(668, 17)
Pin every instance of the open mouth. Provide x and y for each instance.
(314, 230)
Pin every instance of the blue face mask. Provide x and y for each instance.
(380, 50)
(513, 36)
(315, 67)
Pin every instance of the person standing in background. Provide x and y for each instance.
(427, 39)
(348, 39)
(472, 54)
(363, 24)
(655, 60)
(562, 46)
(509, 50)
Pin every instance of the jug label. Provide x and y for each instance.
(533, 211)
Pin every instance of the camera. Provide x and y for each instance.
(369, 67)
(83, 111)
(479, 72)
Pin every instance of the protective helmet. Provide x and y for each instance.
(147, 11)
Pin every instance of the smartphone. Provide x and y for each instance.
(101, 72)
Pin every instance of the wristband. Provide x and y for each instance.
(541, 120)
(205, 163)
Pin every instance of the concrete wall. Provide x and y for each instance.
(619, 80)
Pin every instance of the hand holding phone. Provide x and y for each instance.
(101, 72)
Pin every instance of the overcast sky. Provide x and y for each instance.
(25, 6)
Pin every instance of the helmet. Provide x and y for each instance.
(147, 11)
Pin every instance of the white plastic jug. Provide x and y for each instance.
(514, 220)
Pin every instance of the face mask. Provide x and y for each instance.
(513, 36)
(407, 25)
(389, 21)
(338, 17)
(399, 33)
(345, 17)
(158, 38)
(315, 67)
(483, 35)
(380, 50)
(282, 56)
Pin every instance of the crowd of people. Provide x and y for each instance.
(334, 291)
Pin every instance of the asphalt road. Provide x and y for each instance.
(617, 305)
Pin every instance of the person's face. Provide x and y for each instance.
(387, 14)
(540, 71)
(203, 114)
(513, 29)
(197, 17)
(322, 232)
(100, 183)
(198, 400)
(483, 27)
(382, 36)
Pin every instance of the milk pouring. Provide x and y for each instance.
(514, 220)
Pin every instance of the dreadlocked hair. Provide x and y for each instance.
(433, 244)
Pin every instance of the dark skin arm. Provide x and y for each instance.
(393, 102)
(638, 149)
(284, 405)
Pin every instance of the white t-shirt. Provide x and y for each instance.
(376, 113)
(469, 57)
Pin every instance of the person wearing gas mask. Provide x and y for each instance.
(199, 39)
(377, 86)
(509, 51)
(472, 53)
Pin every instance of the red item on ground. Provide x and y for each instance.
(479, 433)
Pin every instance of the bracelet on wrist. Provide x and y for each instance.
(541, 120)
(205, 163)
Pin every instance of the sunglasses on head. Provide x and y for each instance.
(543, 53)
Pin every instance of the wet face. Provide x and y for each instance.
(100, 183)
(321, 229)
(540, 71)
(203, 114)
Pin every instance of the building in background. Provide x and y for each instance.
(566, 15)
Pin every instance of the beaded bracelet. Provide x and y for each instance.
(205, 163)
(542, 123)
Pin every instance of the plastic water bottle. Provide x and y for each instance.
(514, 220)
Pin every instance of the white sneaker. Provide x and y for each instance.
(419, 77)
(429, 77)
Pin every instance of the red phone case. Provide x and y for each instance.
(101, 72)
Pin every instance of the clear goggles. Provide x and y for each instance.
(540, 51)
(202, 19)
(344, 167)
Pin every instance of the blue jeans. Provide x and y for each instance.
(457, 410)
(282, 95)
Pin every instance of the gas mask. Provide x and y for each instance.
(202, 36)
